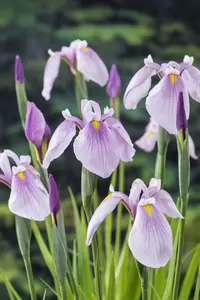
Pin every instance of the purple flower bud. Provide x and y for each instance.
(19, 72)
(181, 120)
(114, 83)
(35, 127)
(53, 195)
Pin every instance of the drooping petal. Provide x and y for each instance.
(191, 146)
(97, 149)
(29, 198)
(191, 78)
(150, 239)
(162, 101)
(50, 74)
(91, 66)
(90, 110)
(125, 145)
(147, 142)
(138, 87)
(166, 204)
(5, 166)
(59, 141)
(35, 124)
(105, 208)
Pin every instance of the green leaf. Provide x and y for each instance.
(44, 296)
(50, 288)
(190, 275)
(197, 289)
(111, 284)
(23, 230)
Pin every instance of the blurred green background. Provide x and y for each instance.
(122, 32)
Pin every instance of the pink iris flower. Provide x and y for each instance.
(80, 58)
(150, 239)
(101, 143)
(148, 140)
(162, 100)
(28, 198)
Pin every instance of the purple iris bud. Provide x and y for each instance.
(101, 143)
(19, 72)
(114, 83)
(80, 58)
(36, 129)
(54, 196)
(181, 120)
(162, 100)
(147, 205)
(28, 197)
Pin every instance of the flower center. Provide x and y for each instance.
(96, 124)
(85, 49)
(173, 78)
(21, 175)
(149, 210)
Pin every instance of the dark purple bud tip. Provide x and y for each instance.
(181, 120)
(19, 72)
(53, 195)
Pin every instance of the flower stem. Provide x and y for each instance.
(119, 210)
(80, 90)
(184, 175)
(143, 275)
(63, 289)
(29, 273)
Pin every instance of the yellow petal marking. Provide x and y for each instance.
(110, 195)
(149, 210)
(149, 133)
(173, 78)
(96, 124)
(21, 175)
(85, 49)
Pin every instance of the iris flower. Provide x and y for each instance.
(28, 197)
(162, 100)
(148, 140)
(101, 143)
(80, 58)
(150, 239)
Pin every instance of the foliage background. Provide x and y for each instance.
(122, 32)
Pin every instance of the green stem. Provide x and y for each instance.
(184, 177)
(63, 289)
(143, 275)
(80, 90)
(119, 210)
(29, 273)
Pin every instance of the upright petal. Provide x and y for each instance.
(5, 166)
(138, 87)
(191, 78)
(162, 101)
(97, 149)
(12, 155)
(154, 186)
(35, 124)
(105, 208)
(90, 110)
(166, 204)
(125, 145)
(150, 239)
(29, 198)
(91, 66)
(50, 74)
(191, 146)
(137, 189)
(59, 141)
